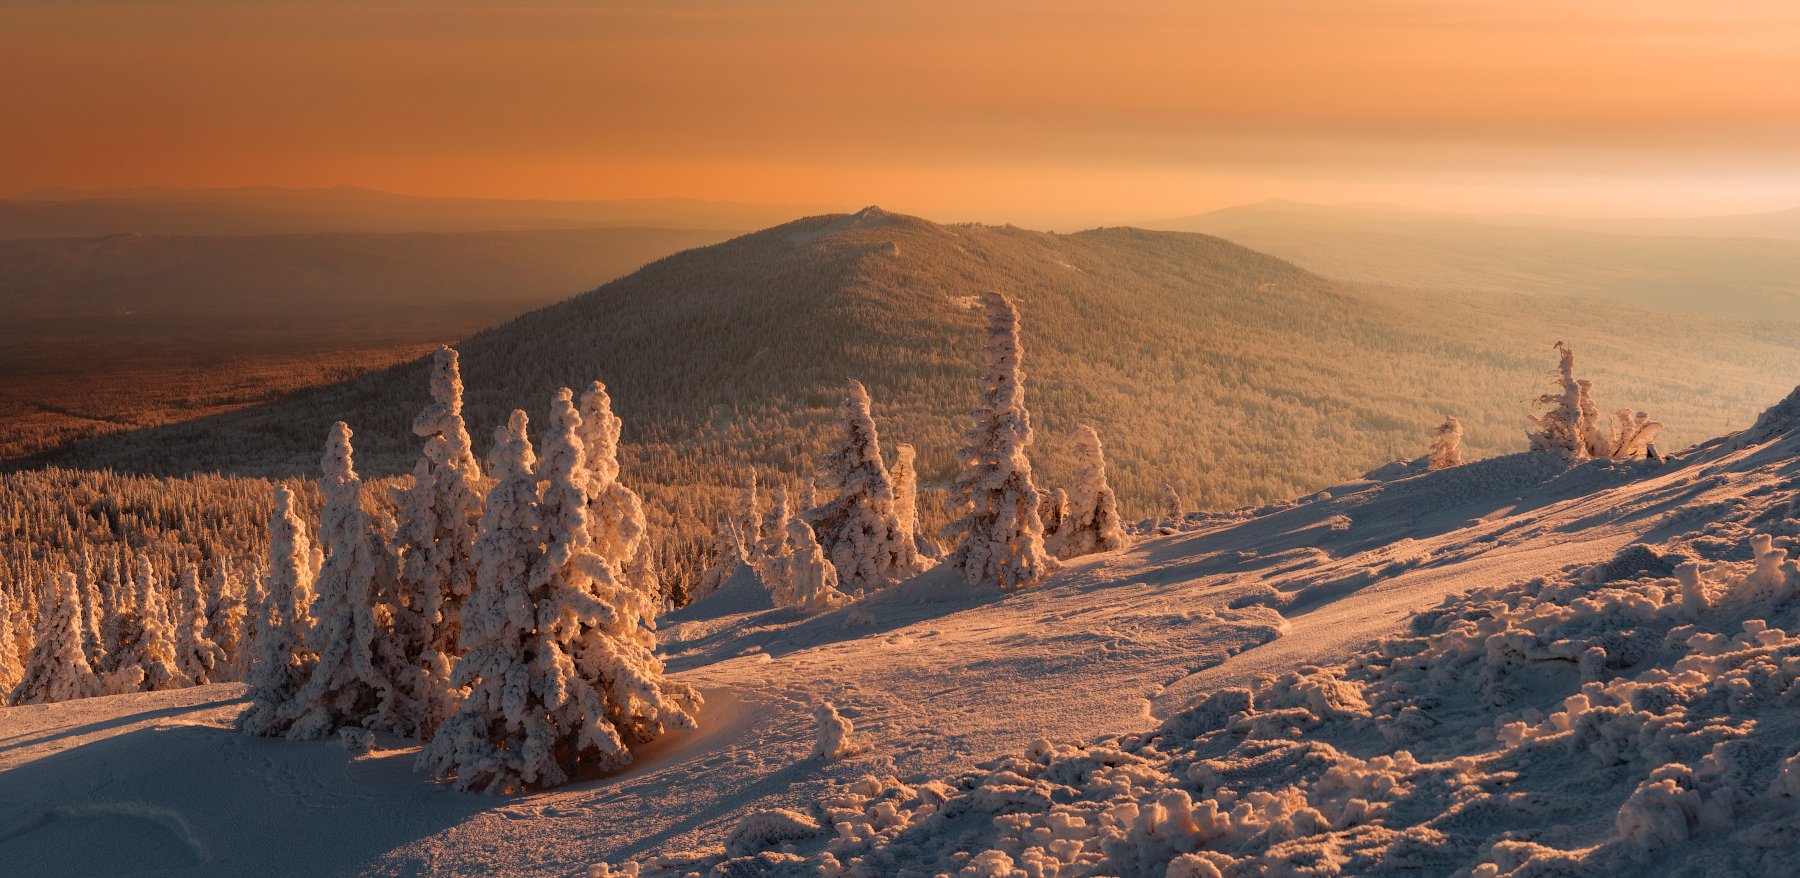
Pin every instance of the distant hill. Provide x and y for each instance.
(1235, 375)
(1668, 265)
(265, 210)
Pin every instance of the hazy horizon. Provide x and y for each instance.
(1054, 114)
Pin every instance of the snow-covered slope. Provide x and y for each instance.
(1234, 698)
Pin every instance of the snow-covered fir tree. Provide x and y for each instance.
(994, 505)
(113, 609)
(615, 512)
(749, 516)
(1446, 445)
(225, 614)
(57, 669)
(438, 518)
(1091, 522)
(145, 656)
(772, 533)
(905, 474)
(801, 576)
(560, 664)
(93, 607)
(353, 676)
(859, 525)
(1573, 427)
(1170, 501)
(282, 662)
(12, 665)
(200, 659)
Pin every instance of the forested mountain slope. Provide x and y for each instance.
(1232, 374)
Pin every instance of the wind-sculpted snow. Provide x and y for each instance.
(1636, 713)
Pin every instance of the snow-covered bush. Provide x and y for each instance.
(1091, 521)
(1171, 507)
(833, 738)
(800, 576)
(560, 665)
(282, 662)
(994, 505)
(57, 669)
(858, 523)
(1446, 445)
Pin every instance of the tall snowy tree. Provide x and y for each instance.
(57, 669)
(113, 609)
(772, 533)
(352, 682)
(1053, 504)
(439, 513)
(1446, 445)
(282, 662)
(859, 526)
(200, 659)
(906, 499)
(1091, 522)
(93, 607)
(225, 618)
(615, 512)
(1000, 539)
(145, 657)
(749, 516)
(560, 664)
(1573, 427)
(12, 667)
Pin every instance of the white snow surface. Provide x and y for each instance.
(1494, 669)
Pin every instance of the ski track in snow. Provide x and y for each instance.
(934, 674)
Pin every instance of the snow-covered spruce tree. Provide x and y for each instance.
(800, 576)
(200, 659)
(773, 531)
(281, 663)
(145, 659)
(113, 610)
(994, 520)
(905, 475)
(225, 619)
(93, 606)
(12, 666)
(352, 682)
(615, 512)
(1170, 500)
(1573, 428)
(749, 517)
(57, 669)
(859, 526)
(438, 517)
(560, 666)
(1446, 445)
(1091, 522)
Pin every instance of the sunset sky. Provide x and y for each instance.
(1027, 111)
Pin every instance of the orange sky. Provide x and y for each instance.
(1038, 110)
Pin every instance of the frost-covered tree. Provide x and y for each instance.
(200, 659)
(438, 517)
(282, 662)
(800, 576)
(57, 669)
(560, 666)
(1573, 427)
(615, 512)
(994, 505)
(1170, 501)
(859, 526)
(1446, 445)
(353, 677)
(905, 475)
(1091, 522)
(12, 667)
(145, 657)
(93, 607)
(748, 520)
(114, 609)
(773, 530)
(225, 614)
